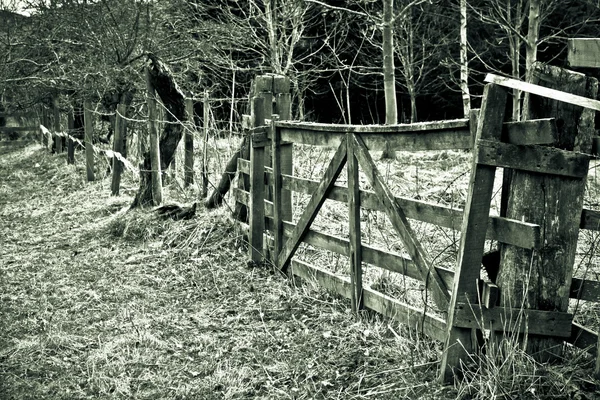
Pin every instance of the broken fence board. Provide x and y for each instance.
(584, 289)
(544, 91)
(544, 160)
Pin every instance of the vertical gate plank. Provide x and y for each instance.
(354, 219)
(277, 192)
(475, 220)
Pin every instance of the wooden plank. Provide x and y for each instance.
(504, 230)
(534, 322)
(590, 219)
(313, 206)
(432, 326)
(544, 91)
(257, 187)
(18, 129)
(545, 160)
(415, 318)
(355, 248)
(327, 279)
(584, 289)
(401, 225)
(534, 131)
(457, 138)
(88, 127)
(481, 187)
(584, 52)
(277, 193)
(584, 338)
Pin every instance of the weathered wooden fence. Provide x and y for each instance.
(466, 302)
(12, 135)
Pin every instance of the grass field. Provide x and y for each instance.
(98, 302)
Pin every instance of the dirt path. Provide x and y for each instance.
(97, 302)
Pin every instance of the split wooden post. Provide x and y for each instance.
(354, 225)
(476, 215)
(56, 128)
(70, 142)
(283, 104)
(257, 182)
(88, 133)
(554, 202)
(188, 164)
(118, 149)
(155, 172)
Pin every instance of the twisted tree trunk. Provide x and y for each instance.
(174, 101)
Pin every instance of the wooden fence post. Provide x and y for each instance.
(155, 172)
(70, 142)
(553, 202)
(188, 164)
(88, 133)
(257, 184)
(118, 148)
(56, 129)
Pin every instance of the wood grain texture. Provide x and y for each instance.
(547, 323)
(544, 160)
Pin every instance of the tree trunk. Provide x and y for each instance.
(533, 32)
(172, 97)
(389, 76)
(464, 60)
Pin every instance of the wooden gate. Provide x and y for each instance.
(465, 302)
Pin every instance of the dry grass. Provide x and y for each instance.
(98, 302)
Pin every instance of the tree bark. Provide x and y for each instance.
(541, 279)
(464, 60)
(174, 100)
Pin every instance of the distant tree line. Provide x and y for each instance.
(73, 50)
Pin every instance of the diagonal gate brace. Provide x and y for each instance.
(401, 225)
(314, 205)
